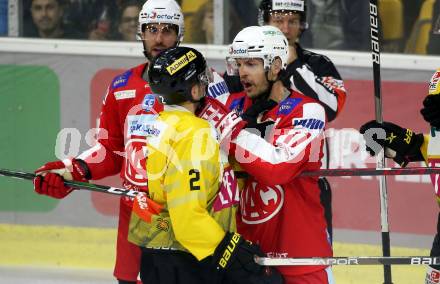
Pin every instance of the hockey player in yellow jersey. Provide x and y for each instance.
(404, 146)
(185, 225)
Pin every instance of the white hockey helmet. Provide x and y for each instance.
(265, 42)
(162, 12)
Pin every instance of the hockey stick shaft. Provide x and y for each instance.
(240, 174)
(75, 184)
(363, 172)
(375, 52)
(363, 260)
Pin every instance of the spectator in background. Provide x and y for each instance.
(47, 18)
(355, 20)
(128, 21)
(434, 35)
(204, 19)
(3, 17)
(325, 24)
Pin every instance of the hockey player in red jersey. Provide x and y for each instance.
(121, 142)
(278, 210)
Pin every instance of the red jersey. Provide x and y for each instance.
(122, 138)
(121, 148)
(279, 210)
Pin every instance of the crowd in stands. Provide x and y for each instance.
(408, 26)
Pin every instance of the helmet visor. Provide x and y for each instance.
(206, 77)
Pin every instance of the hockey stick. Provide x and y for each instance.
(350, 260)
(317, 173)
(75, 184)
(375, 52)
(362, 172)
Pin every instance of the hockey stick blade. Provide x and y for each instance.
(75, 184)
(362, 260)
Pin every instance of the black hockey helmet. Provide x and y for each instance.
(269, 6)
(173, 72)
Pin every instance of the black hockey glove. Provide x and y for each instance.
(234, 256)
(404, 142)
(431, 110)
(252, 113)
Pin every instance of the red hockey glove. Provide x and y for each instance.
(50, 177)
(228, 124)
(234, 256)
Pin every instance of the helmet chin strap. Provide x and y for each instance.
(266, 94)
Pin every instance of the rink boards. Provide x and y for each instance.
(52, 86)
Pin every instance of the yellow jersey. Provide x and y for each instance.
(190, 182)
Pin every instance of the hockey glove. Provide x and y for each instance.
(252, 113)
(228, 124)
(50, 177)
(234, 256)
(431, 110)
(401, 144)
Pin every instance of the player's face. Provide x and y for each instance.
(289, 23)
(158, 37)
(252, 76)
(46, 14)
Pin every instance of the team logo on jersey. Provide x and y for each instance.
(121, 80)
(259, 203)
(148, 102)
(135, 169)
(288, 105)
(228, 194)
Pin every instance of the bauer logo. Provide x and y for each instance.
(259, 203)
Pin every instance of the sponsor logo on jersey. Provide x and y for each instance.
(228, 195)
(127, 94)
(181, 62)
(121, 80)
(331, 84)
(141, 128)
(288, 105)
(237, 105)
(217, 89)
(259, 203)
(310, 123)
(148, 102)
(296, 5)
